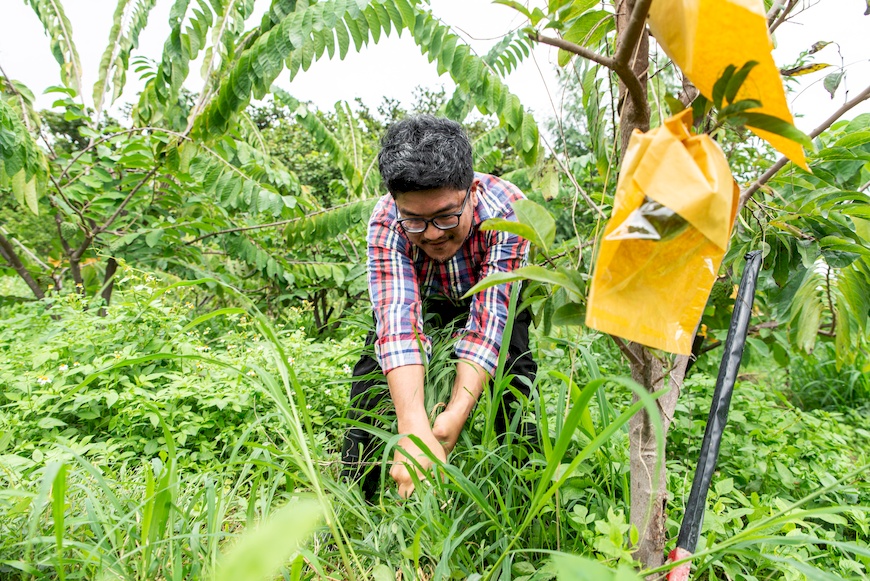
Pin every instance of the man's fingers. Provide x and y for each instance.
(406, 490)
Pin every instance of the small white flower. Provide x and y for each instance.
(43, 380)
(117, 354)
(346, 369)
(290, 361)
(252, 373)
(198, 365)
(76, 364)
(230, 347)
(308, 406)
(328, 391)
(63, 367)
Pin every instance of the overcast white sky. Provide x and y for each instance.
(394, 67)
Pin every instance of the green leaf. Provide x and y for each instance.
(674, 104)
(832, 82)
(853, 140)
(578, 8)
(539, 219)
(700, 107)
(577, 568)
(516, 6)
(570, 314)
(736, 81)
(532, 272)
(721, 85)
(261, 552)
(59, 30)
(777, 126)
(25, 191)
(590, 28)
(514, 227)
(49, 422)
(58, 506)
(153, 237)
(738, 107)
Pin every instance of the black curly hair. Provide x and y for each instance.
(425, 153)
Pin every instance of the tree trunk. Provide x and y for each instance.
(9, 255)
(108, 283)
(632, 115)
(648, 473)
(649, 494)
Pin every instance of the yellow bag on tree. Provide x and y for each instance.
(661, 250)
(703, 37)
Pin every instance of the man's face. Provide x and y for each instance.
(438, 244)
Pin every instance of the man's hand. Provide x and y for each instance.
(406, 389)
(448, 425)
(400, 472)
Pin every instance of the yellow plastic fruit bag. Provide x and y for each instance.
(703, 37)
(661, 250)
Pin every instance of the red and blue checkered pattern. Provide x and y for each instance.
(400, 275)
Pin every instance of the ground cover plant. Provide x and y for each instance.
(182, 295)
(180, 442)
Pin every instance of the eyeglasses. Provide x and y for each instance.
(442, 222)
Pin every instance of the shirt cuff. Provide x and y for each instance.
(399, 350)
(478, 349)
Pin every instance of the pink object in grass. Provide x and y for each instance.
(681, 572)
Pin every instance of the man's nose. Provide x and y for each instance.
(431, 232)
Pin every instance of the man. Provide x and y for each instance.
(425, 251)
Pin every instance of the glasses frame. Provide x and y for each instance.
(428, 221)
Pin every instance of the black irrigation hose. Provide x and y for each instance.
(690, 529)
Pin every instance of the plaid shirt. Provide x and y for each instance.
(400, 275)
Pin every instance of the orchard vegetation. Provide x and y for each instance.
(183, 295)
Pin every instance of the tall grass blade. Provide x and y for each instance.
(260, 552)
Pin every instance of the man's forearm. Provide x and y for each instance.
(470, 379)
(406, 389)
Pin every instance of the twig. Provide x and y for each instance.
(26, 250)
(626, 53)
(780, 163)
(13, 260)
(621, 69)
(126, 201)
(269, 225)
(573, 180)
(626, 350)
(783, 16)
(574, 48)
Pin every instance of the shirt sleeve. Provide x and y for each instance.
(489, 308)
(395, 297)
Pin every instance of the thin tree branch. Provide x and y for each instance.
(574, 48)
(746, 194)
(774, 10)
(126, 201)
(624, 71)
(269, 225)
(773, 23)
(15, 263)
(573, 181)
(629, 37)
(626, 350)
(626, 53)
(26, 250)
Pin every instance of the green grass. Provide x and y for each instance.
(150, 458)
